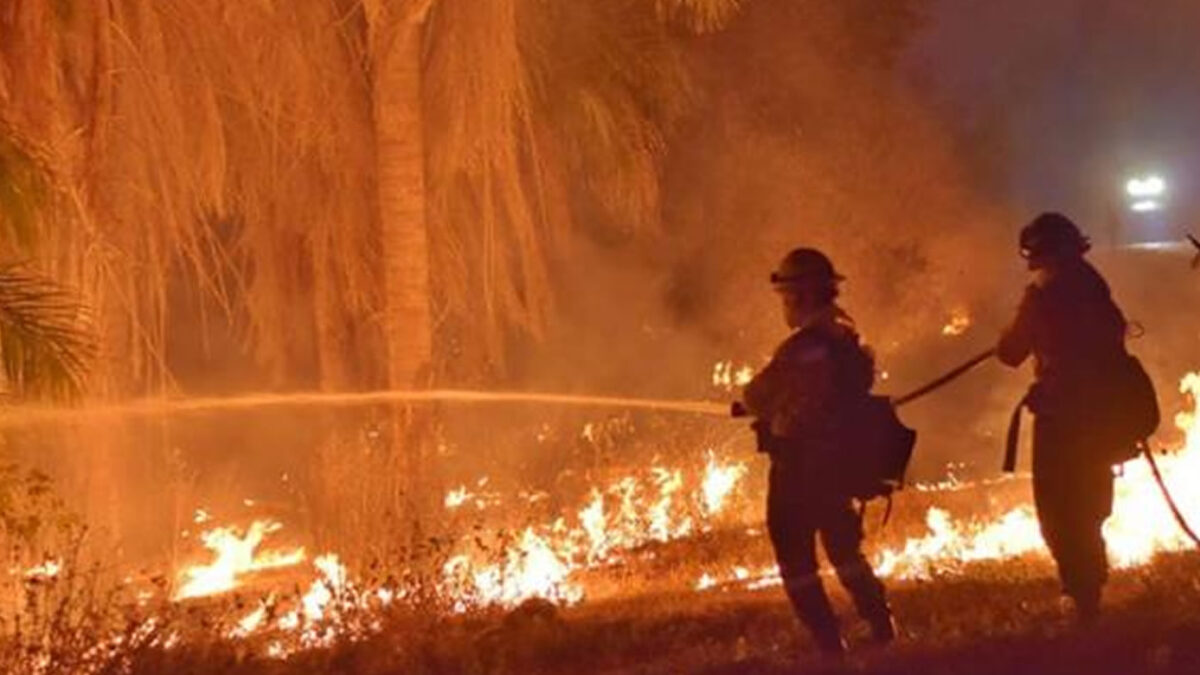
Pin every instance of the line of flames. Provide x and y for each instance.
(543, 561)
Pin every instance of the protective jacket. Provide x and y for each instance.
(1073, 330)
(819, 374)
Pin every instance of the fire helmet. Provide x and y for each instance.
(805, 266)
(1052, 235)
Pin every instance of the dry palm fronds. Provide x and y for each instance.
(45, 345)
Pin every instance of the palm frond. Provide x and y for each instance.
(46, 347)
(25, 190)
(702, 16)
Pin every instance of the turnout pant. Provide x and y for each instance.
(798, 511)
(1073, 496)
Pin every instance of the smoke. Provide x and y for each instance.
(912, 167)
(801, 132)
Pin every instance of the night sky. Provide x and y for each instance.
(1085, 92)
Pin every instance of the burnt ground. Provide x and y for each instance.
(996, 618)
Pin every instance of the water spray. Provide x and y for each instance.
(163, 406)
(16, 416)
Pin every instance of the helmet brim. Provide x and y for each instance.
(782, 280)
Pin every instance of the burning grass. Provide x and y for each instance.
(664, 568)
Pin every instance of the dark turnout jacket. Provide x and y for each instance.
(814, 376)
(1073, 330)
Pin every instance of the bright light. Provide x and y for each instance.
(1145, 187)
(1146, 206)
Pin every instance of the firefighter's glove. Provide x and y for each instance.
(765, 441)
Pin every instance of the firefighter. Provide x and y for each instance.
(800, 400)
(1068, 322)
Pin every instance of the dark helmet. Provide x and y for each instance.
(1053, 235)
(805, 265)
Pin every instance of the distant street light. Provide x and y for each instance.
(1146, 187)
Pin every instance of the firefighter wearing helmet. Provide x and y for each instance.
(799, 399)
(1068, 322)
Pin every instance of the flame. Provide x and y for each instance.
(663, 504)
(952, 543)
(252, 621)
(235, 557)
(957, 324)
(531, 568)
(627, 514)
(457, 497)
(615, 520)
(315, 602)
(1141, 524)
(727, 376)
(662, 526)
(48, 569)
(719, 481)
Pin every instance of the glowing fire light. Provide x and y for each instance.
(47, 570)
(236, 557)
(662, 527)
(958, 324)
(252, 621)
(719, 481)
(457, 497)
(663, 504)
(1141, 524)
(727, 376)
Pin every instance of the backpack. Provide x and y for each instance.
(877, 449)
(1127, 411)
(875, 445)
(1115, 417)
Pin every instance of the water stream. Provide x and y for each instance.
(23, 415)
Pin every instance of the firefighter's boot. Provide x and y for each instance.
(813, 609)
(1087, 606)
(871, 602)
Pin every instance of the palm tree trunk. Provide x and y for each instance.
(402, 219)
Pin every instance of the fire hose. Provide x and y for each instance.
(739, 410)
(1146, 452)
(944, 380)
(978, 359)
(1162, 486)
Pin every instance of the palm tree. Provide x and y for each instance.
(46, 345)
(338, 182)
(489, 119)
(500, 128)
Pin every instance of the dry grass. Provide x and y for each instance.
(998, 618)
